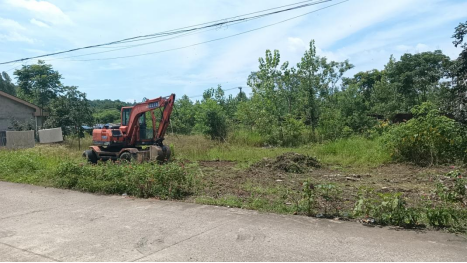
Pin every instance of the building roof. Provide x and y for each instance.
(38, 111)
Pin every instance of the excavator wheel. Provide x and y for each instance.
(90, 156)
(127, 156)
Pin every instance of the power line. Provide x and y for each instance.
(212, 40)
(215, 23)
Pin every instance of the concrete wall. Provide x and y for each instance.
(50, 135)
(20, 139)
(10, 109)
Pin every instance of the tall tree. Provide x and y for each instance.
(365, 81)
(459, 75)
(318, 79)
(6, 85)
(38, 83)
(183, 117)
(71, 111)
(418, 76)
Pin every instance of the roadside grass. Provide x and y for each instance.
(60, 167)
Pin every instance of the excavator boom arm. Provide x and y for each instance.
(150, 105)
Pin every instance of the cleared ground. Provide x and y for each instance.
(46, 224)
(269, 189)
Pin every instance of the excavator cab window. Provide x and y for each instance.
(126, 116)
(142, 127)
(142, 119)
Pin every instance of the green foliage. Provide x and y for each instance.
(183, 116)
(286, 101)
(416, 76)
(25, 125)
(107, 116)
(245, 137)
(456, 101)
(6, 85)
(211, 120)
(169, 181)
(38, 83)
(70, 111)
(455, 191)
(354, 151)
(141, 180)
(316, 198)
(386, 209)
(429, 138)
(444, 217)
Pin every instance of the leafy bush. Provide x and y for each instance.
(211, 120)
(386, 208)
(429, 138)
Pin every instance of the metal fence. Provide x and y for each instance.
(2, 138)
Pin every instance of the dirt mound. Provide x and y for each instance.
(290, 162)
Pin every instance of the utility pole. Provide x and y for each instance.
(240, 88)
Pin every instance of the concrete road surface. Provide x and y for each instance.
(45, 224)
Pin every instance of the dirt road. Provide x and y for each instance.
(44, 224)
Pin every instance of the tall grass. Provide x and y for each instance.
(82, 144)
(354, 151)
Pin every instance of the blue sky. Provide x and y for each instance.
(366, 32)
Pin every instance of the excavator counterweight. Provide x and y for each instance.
(131, 140)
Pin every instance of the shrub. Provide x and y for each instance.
(211, 120)
(429, 138)
(386, 209)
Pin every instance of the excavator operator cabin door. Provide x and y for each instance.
(126, 116)
(142, 127)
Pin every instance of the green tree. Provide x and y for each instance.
(183, 116)
(318, 79)
(269, 100)
(365, 82)
(418, 76)
(458, 98)
(38, 83)
(211, 120)
(71, 111)
(107, 116)
(6, 85)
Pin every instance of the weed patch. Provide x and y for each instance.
(290, 162)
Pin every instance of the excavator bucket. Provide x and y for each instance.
(161, 154)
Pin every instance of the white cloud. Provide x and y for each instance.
(15, 37)
(38, 23)
(43, 10)
(10, 31)
(10, 25)
(296, 43)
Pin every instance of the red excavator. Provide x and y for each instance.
(132, 141)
